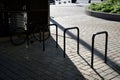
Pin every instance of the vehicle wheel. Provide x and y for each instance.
(18, 36)
(39, 35)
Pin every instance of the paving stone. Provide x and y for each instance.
(116, 78)
(109, 76)
(34, 64)
(109, 71)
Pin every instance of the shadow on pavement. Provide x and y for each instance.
(20, 63)
(110, 63)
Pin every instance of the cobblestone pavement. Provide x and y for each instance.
(71, 16)
(20, 63)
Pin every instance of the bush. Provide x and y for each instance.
(110, 6)
(116, 9)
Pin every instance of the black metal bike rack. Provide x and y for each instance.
(106, 42)
(77, 39)
(56, 36)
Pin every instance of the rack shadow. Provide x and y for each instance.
(110, 63)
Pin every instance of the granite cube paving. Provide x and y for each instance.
(32, 63)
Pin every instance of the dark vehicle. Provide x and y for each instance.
(52, 2)
(74, 1)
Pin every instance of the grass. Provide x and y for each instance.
(109, 6)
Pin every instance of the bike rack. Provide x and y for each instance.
(77, 39)
(56, 36)
(106, 42)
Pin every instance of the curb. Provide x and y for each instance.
(103, 15)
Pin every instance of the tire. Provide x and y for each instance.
(39, 35)
(18, 36)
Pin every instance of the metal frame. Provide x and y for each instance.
(106, 43)
(65, 39)
(56, 36)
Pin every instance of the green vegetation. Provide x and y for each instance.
(109, 6)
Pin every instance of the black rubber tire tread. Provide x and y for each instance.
(18, 36)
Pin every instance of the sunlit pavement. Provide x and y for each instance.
(32, 63)
(75, 16)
